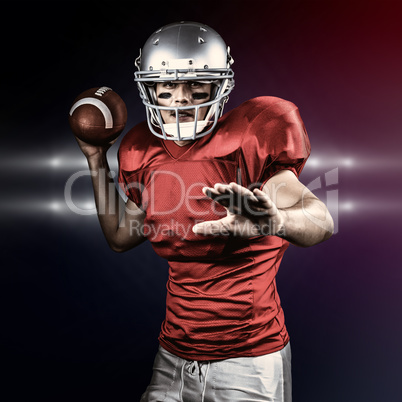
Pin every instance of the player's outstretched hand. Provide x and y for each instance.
(249, 213)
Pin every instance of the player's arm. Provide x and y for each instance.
(302, 218)
(121, 222)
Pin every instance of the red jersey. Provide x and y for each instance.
(222, 299)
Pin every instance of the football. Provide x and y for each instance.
(98, 116)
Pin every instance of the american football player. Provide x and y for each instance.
(218, 196)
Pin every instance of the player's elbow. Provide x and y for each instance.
(328, 227)
(324, 225)
(124, 245)
(330, 230)
(118, 247)
(314, 231)
(323, 233)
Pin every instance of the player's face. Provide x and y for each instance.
(179, 93)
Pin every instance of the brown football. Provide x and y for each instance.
(98, 115)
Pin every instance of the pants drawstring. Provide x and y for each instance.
(205, 382)
(193, 365)
(199, 371)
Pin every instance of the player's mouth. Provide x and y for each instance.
(184, 115)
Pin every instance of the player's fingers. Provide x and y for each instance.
(242, 191)
(240, 200)
(265, 200)
(255, 203)
(246, 203)
(223, 188)
(209, 191)
(217, 189)
(219, 193)
(218, 227)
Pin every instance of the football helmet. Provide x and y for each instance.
(184, 51)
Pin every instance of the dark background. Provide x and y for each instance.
(80, 322)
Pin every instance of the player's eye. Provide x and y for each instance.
(195, 84)
(169, 85)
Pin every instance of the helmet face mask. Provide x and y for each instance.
(184, 52)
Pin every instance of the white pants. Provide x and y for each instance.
(240, 379)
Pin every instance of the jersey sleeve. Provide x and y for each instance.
(128, 178)
(276, 139)
(130, 187)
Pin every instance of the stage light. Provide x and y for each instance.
(346, 206)
(89, 205)
(329, 162)
(63, 161)
(313, 162)
(348, 162)
(54, 162)
(55, 206)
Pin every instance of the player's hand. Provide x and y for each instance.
(249, 213)
(91, 151)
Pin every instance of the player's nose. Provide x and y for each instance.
(181, 94)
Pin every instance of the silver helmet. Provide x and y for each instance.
(184, 51)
